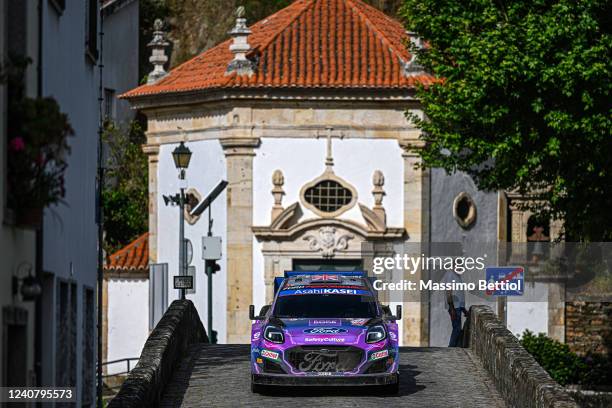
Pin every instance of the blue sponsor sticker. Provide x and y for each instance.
(324, 291)
(505, 281)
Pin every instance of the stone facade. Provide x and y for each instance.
(174, 334)
(521, 381)
(588, 327)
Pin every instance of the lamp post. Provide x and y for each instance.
(182, 156)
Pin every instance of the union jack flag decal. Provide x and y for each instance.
(326, 278)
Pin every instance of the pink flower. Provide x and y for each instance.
(17, 144)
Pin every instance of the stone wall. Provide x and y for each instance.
(517, 376)
(588, 327)
(179, 328)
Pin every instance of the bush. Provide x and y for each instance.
(563, 365)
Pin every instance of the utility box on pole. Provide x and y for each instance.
(211, 248)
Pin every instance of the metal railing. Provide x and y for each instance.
(127, 360)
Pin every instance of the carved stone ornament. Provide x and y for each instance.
(158, 46)
(328, 241)
(378, 180)
(278, 180)
(240, 47)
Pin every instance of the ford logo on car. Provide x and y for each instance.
(325, 330)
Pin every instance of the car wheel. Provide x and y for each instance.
(257, 388)
(390, 389)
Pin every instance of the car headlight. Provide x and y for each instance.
(274, 334)
(375, 334)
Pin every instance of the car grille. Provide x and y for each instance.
(272, 367)
(376, 367)
(325, 358)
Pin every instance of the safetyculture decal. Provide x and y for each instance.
(324, 339)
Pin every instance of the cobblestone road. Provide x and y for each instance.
(219, 376)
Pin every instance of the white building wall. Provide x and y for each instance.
(303, 160)
(206, 170)
(529, 312)
(128, 320)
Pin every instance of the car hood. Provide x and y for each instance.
(325, 331)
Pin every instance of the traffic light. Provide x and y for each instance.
(213, 337)
(212, 266)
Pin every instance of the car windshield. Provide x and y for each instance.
(325, 306)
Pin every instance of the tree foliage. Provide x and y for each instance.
(524, 101)
(125, 195)
(563, 366)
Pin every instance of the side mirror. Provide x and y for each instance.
(398, 312)
(264, 310)
(252, 314)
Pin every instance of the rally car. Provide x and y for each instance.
(324, 329)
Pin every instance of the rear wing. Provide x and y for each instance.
(279, 279)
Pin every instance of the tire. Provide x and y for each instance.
(258, 388)
(390, 389)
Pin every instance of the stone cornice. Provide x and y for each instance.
(276, 95)
(240, 146)
(150, 149)
(412, 146)
(265, 233)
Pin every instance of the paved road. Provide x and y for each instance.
(219, 376)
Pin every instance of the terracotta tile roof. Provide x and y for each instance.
(134, 257)
(309, 44)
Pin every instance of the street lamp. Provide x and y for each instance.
(182, 156)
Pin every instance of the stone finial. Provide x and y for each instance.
(412, 67)
(278, 180)
(378, 180)
(158, 52)
(240, 46)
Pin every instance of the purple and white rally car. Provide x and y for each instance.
(324, 328)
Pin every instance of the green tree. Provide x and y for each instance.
(523, 102)
(125, 194)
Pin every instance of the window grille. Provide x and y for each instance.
(328, 196)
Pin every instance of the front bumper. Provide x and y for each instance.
(316, 381)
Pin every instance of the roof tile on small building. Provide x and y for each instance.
(309, 44)
(134, 257)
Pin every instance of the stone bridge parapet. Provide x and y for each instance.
(517, 376)
(179, 328)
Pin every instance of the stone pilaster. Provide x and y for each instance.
(239, 153)
(416, 221)
(152, 151)
(556, 311)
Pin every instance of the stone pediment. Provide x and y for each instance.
(287, 227)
